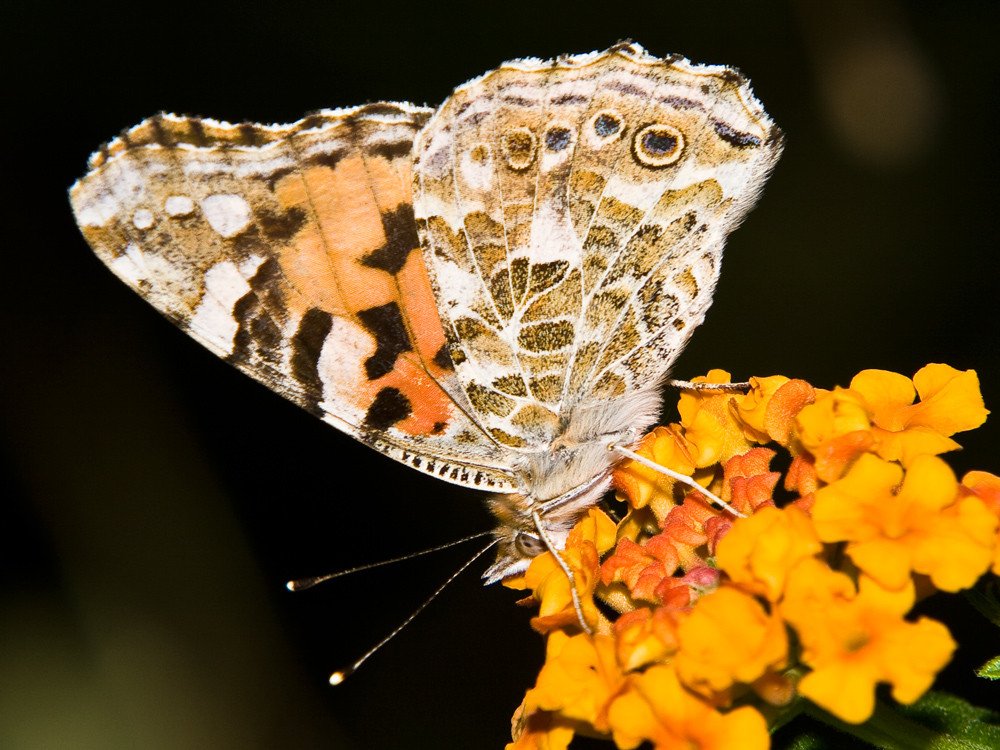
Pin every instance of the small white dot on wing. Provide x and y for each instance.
(142, 219)
(228, 214)
(96, 209)
(178, 205)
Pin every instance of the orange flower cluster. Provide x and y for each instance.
(720, 622)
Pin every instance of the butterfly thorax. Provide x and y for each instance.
(560, 482)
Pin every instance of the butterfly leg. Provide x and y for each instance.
(682, 478)
(566, 569)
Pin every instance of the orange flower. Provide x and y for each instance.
(579, 680)
(836, 429)
(950, 402)
(593, 535)
(644, 486)
(657, 708)
(639, 568)
(728, 638)
(682, 591)
(768, 410)
(646, 636)
(709, 423)
(924, 527)
(760, 550)
(542, 730)
(747, 483)
(801, 478)
(854, 640)
(986, 487)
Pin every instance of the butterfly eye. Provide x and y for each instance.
(519, 149)
(658, 145)
(529, 546)
(607, 124)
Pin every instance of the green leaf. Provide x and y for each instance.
(985, 597)
(938, 721)
(990, 670)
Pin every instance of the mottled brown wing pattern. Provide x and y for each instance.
(291, 251)
(573, 214)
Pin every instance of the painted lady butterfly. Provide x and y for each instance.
(491, 292)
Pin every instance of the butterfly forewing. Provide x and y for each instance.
(291, 251)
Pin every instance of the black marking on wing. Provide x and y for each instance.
(385, 323)
(392, 150)
(280, 227)
(400, 240)
(389, 407)
(307, 344)
(443, 358)
(258, 335)
(733, 136)
(329, 159)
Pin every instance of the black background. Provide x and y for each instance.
(155, 500)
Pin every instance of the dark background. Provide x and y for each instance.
(155, 500)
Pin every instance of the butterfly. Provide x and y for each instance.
(491, 292)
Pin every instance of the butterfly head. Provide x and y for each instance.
(528, 526)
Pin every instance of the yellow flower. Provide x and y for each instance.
(950, 402)
(728, 638)
(579, 679)
(709, 422)
(768, 411)
(657, 708)
(759, 551)
(646, 635)
(542, 730)
(593, 535)
(854, 640)
(836, 429)
(923, 526)
(644, 486)
(986, 487)
(707, 602)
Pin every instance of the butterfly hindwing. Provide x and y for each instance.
(573, 214)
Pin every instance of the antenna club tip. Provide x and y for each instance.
(339, 676)
(290, 585)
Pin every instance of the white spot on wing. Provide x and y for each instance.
(130, 265)
(341, 364)
(142, 219)
(178, 205)
(213, 318)
(227, 213)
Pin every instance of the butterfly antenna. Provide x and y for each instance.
(342, 674)
(301, 584)
(687, 385)
(682, 478)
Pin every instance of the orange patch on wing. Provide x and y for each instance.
(324, 261)
(389, 181)
(419, 308)
(351, 224)
(430, 404)
(305, 261)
